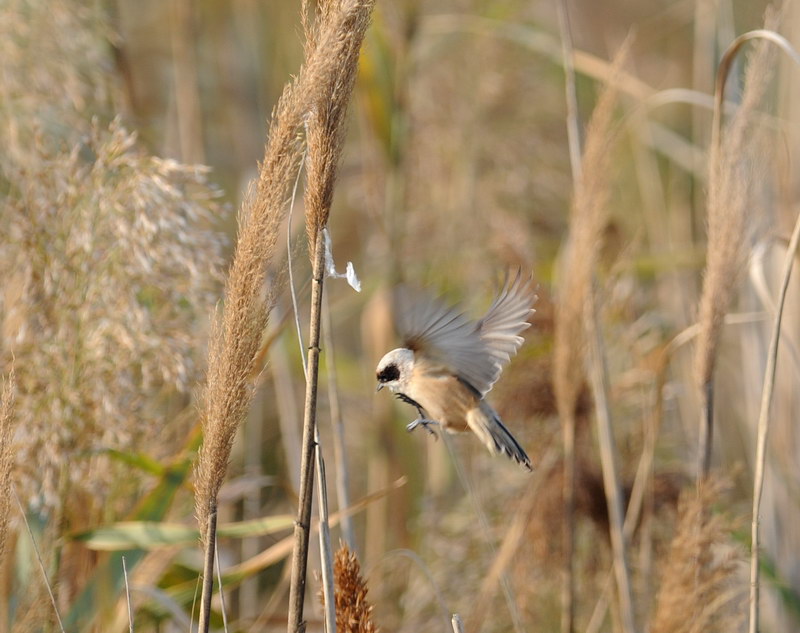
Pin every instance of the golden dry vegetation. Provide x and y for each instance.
(170, 172)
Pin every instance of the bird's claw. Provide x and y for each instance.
(424, 423)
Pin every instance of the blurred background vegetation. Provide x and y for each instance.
(130, 132)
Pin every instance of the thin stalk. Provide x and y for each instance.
(511, 541)
(568, 530)
(302, 528)
(326, 552)
(707, 433)
(598, 374)
(221, 591)
(508, 592)
(643, 475)
(290, 268)
(568, 57)
(573, 136)
(763, 427)
(127, 596)
(187, 98)
(38, 558)
(208, 570)
(339, 456)
(725, 65)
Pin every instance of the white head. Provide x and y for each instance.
(394, 370)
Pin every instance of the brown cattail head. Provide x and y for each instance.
(353, 611)
(6, 454)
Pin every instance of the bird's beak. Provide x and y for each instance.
(380, 386)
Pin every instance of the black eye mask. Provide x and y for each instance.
(389, 373)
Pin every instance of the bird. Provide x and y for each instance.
(449, 362)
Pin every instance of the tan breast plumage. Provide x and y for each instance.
(443, 396)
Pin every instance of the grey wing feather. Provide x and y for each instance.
(474, 351)
(506, 318)
(446, 337)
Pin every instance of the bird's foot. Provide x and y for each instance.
(424, 423)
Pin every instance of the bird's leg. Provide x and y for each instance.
(423, 422)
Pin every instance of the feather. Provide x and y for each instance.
(474, 351)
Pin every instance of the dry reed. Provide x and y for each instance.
(698, 590)
(733, 174)
(598, 371)
(768, 384)
(325, 128)
(588, 219)
(237, 332)
(111, 254)
(325, 124)
(6, 454)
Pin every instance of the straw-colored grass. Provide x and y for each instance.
(6, 455)
(698, 589)
(455, 167)
(238, 329)
(317, 98)
(733, 176)
(588, 219)
(325, 127)
(112, 263)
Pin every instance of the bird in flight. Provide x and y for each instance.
(448, 362)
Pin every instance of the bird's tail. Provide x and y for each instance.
(486, 424)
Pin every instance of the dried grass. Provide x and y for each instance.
(51, 85)
(733, 176)
(587, 222)
(698, 590)
(325, 134)
(325, 124)
(7, 422)
(112, 256)
(238, 330)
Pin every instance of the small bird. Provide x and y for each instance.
(449, 362)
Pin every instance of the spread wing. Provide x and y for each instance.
(474, 351)
(506, 319)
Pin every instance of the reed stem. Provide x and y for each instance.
(208, 570)
(302, 528)
(598, 373)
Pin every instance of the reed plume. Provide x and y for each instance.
(733, 176)
(698, 590)
(238, 330)
(325, 127)
(6, 454)
(112, 260)
(588, 220)
(325, 124)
